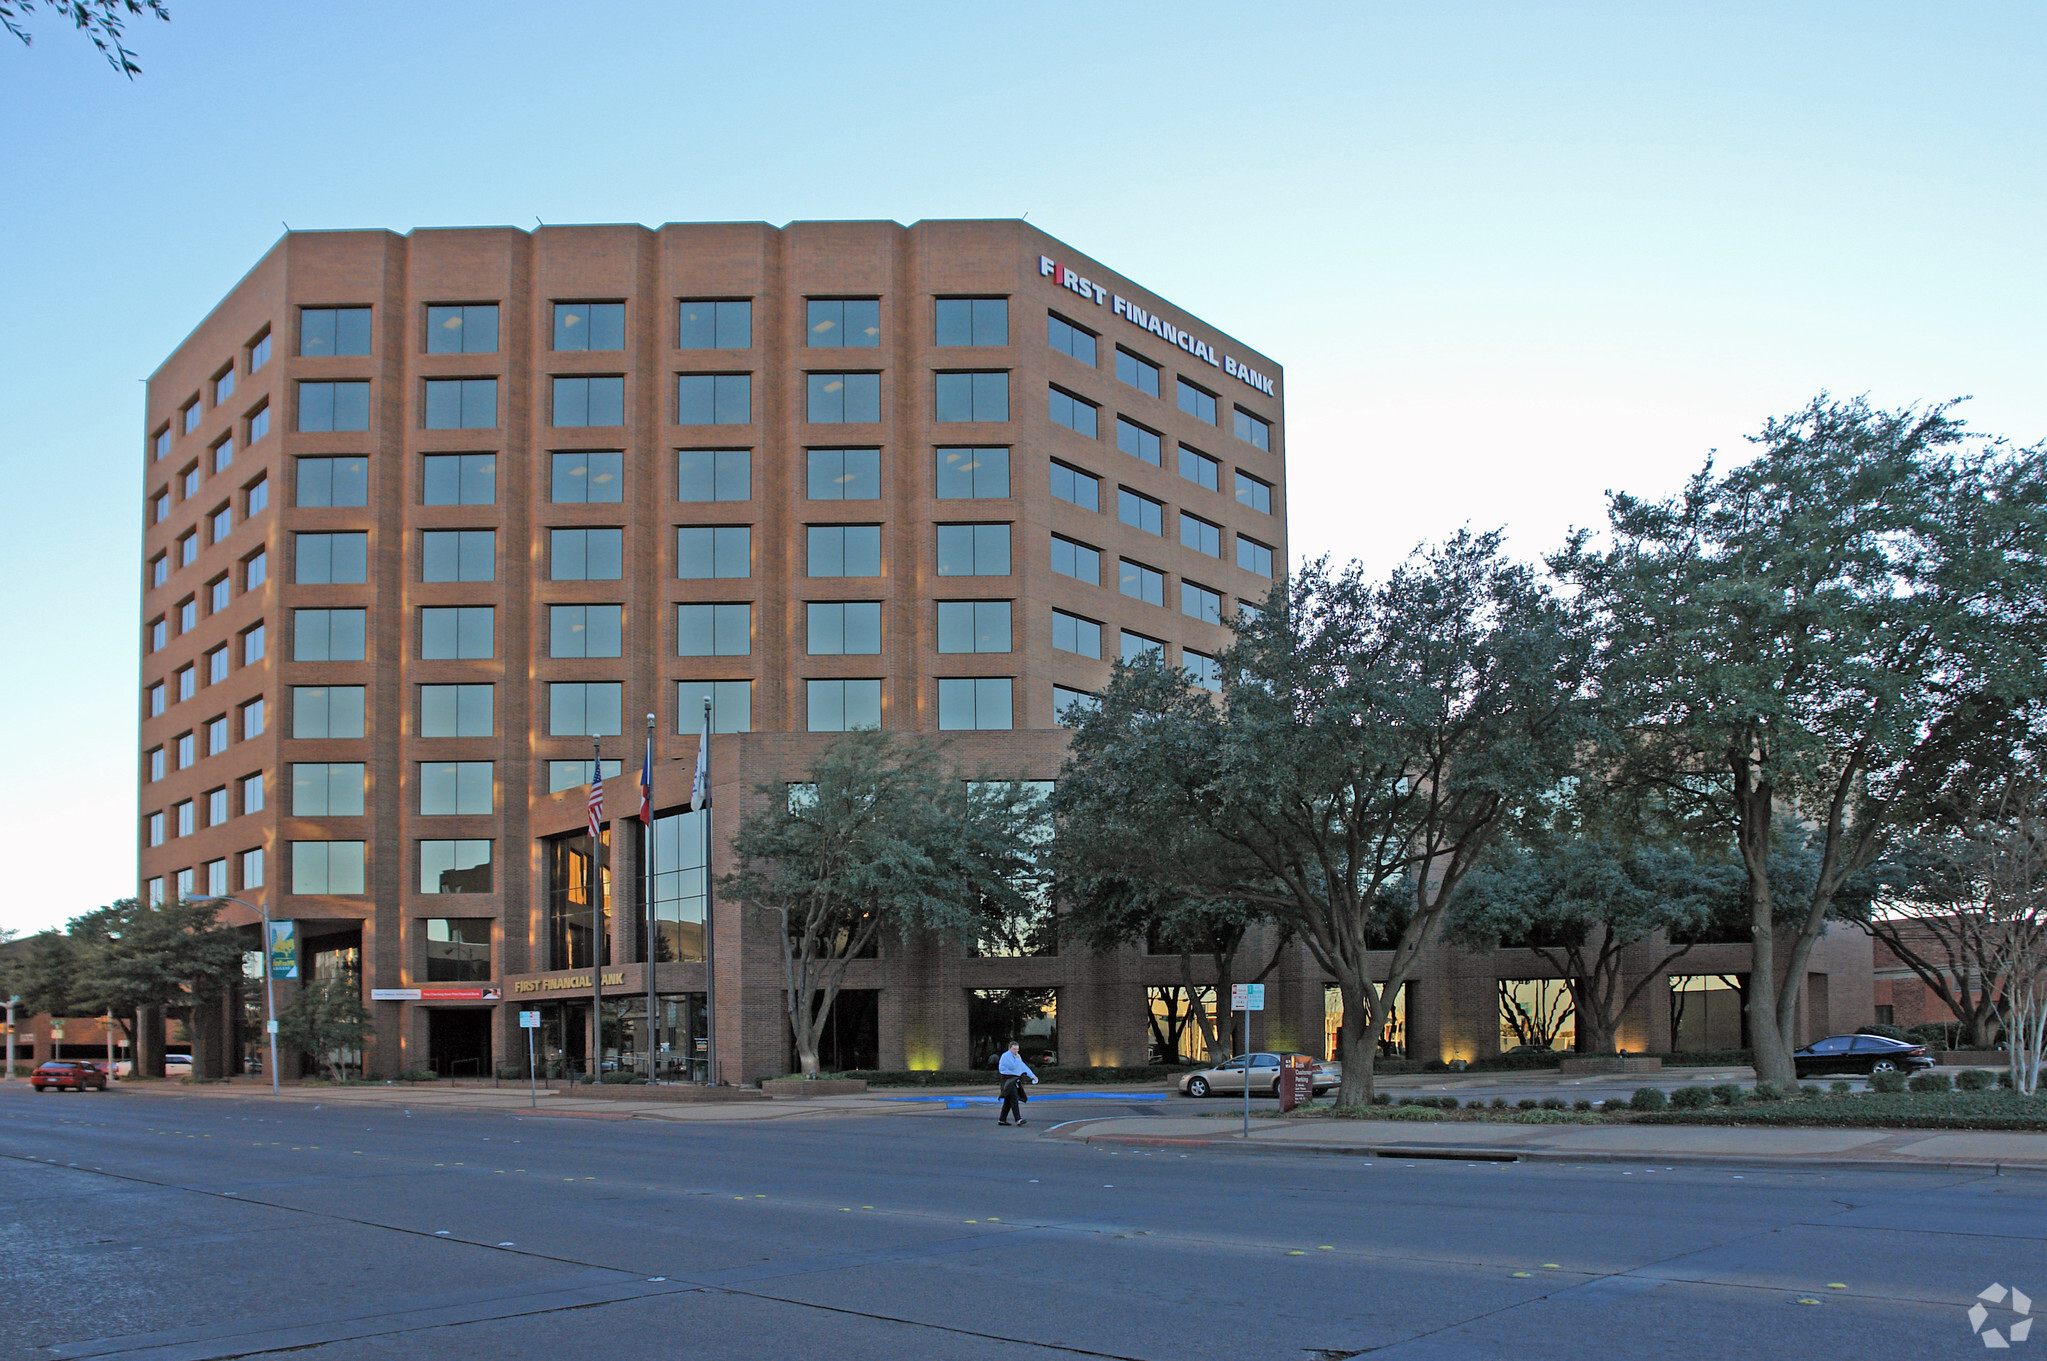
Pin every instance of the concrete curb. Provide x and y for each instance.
(1474, 1154)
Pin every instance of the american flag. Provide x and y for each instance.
(647, 782)
(596, 800)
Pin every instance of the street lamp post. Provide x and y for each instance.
(12, 1003)
(269, 985)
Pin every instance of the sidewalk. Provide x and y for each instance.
(1929, 1150)
(508, 1099)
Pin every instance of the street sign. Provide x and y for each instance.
(437, 994)
(273, 1027)
(529, 1020)
(1247, 997)
(56, 1032)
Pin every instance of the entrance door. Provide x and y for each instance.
(458, 1041)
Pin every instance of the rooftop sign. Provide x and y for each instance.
(1143, 319)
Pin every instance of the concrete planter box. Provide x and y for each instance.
(1586, 1064)
(823, 1086)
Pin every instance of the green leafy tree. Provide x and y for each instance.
(101, 21)
(1826, 632)
(1109, 912)
(46, 977)
(881, 839)
(1369, 743)
(131, 957)
(1580, 904)
(328, 1020)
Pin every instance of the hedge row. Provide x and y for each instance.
(1886, 1110)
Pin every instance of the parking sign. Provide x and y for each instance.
(1247, 997)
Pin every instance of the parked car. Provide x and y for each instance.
(1860, 1054)
(1228, 1077)
(177, 1065)
(76, 1074)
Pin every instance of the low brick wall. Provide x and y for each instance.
(624, 1091)
(1587, 1064)
(822, 1086)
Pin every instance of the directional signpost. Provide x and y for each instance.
(1246, 998)
(529, 1021)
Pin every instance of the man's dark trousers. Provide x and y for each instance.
(1011, 1088)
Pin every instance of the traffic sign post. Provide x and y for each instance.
(529, 1021)
(1246, 998)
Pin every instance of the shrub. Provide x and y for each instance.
(1839, 1088)
(1553, 1103)
(1772, 1091)
(1975, 1079)
(1526, 1103)
(1581, 1104)
(1889, 1032)
(1382, 1098)
(1407, 1101)
(1691, 1098)
(418, 1075)
(621, 1079)
(2004, 1081)
(1728, 1094)
(1937, 1034)
(1436, 1066)
(1648, 1099)
(1887, 1082)
(1615, 1103)
(1499, 1103)
(1414, 1113)
(1811, 1089)
(1447, 1103)
(1875, 1110)
(1930, 1082)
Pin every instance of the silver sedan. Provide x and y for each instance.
(1229, 1076)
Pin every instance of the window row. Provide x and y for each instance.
(1083, 417)
(212, 809)
(701, 324)
(216, 733)
(216, 392)
(1077, 341)
(209, 880)
(598, 400)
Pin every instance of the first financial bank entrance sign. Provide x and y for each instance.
(1137, 316)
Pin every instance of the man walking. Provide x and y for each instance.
(1014, 1070)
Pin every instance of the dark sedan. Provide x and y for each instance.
(1860, 1054)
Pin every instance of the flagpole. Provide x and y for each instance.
(702, 799)
(596, 916)
(647, 855)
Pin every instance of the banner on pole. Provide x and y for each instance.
(284, 949)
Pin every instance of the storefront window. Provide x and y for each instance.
(995, 1016)
(678, 888)
(1706, 1012)
(568, 900)
(1175, 1023)
(458, 949)
(1392, 1040)
(1537, 1013)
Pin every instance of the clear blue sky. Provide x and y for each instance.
(1510, 254)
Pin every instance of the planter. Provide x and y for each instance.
(1582, 1065)
(821, 1086)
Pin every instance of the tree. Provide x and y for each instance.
(46, 975)
(1931, 913)
(101, 21)
(1369, 742)
(880, 840)
(1580, 903)
(1823, 632)
(328, 1020)
(133, 956)
(1109, 911)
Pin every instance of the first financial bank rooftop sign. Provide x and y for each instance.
(1137, 316)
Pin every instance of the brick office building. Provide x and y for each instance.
(423, 512)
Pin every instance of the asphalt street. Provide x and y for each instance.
(142, 1225)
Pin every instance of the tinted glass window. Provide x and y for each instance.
(1141, 374)
(972, 474)
(457, 633)
(1069, 339)
(971, 396)
(1138, 442)
(470, 329)
(842, 628)
(705, 551)
(845, 474)
(713, 630)
(713, 475)
(588, 478)
(589, 326)
(843, 397)
(459, 480)
(843, 323)
(333, 482)
(713, 399)
(707, 324)
(333, 406)
(596, 400)
(334, 330)
(973, 550)
(1197, 402)
(458, 554)
(844, 550)
(1198, 467)
(1253, 493)
(586, 554)
(971, 321)
(585, 630)
(461, 403)
(1076, 560)
(1072, 412)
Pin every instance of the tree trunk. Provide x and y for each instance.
(149, 1041)
(1357, 1047)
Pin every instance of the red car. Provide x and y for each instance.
(77, 1074)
